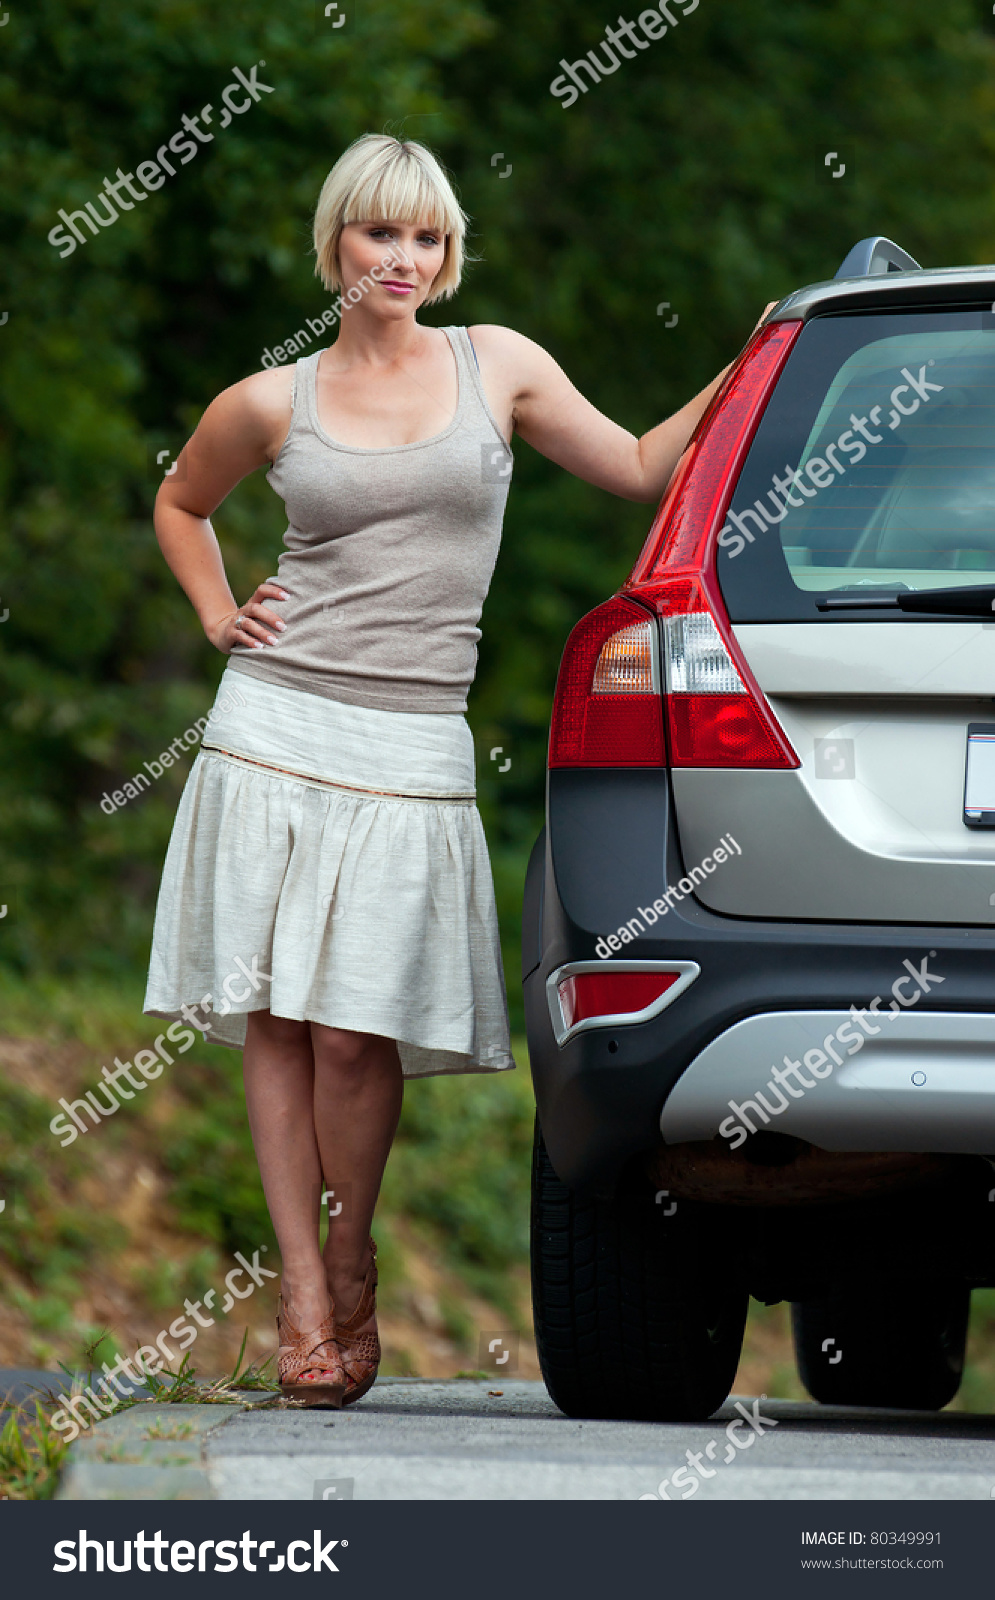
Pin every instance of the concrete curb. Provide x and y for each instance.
(148, 1452)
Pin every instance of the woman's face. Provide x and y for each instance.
(401, 258)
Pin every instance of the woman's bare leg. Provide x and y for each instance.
(323, 1105)
(278, 1067)
(358, 1088)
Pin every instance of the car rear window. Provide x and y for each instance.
(873, 468)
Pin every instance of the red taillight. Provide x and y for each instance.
(721, 731)
(607, 711)
(681, 541)
(610, 994)
(717, 715)
(716, 712)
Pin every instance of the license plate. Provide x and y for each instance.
(979, 783)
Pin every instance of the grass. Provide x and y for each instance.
(168, 1430)
(456, 1187)
(32, 1452)
(184, 1388)
(31, 1456)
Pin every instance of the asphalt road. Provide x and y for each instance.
(423, 1440)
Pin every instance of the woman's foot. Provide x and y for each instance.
(357, 1337)
(308, 1361)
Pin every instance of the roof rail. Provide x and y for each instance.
(876, 255)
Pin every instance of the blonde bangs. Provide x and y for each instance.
(380, 179)
(403, 192)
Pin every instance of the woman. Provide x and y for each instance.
(327, 901)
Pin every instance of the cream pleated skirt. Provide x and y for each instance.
(328, 863)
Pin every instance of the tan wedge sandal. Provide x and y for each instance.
(359, 1347)
(309, 1352)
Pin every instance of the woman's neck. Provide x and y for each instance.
(365, 340)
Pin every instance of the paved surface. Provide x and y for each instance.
(414, 1439)
(147, 1452)
(25, 1385)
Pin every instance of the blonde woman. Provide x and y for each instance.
(326, 903)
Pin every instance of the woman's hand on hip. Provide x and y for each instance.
(254, 624)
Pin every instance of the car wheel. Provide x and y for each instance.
(632, 1317)
(901, 1347)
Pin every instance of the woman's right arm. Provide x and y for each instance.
(240, 431)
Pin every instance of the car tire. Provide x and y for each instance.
(901, 1347)
(632, 1318)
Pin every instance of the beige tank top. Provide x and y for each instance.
(388, 554)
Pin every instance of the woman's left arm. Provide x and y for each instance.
(554, 417)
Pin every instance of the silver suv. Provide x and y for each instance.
(759, 925)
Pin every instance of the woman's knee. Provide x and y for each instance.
(278, 1030)
(342, 1051)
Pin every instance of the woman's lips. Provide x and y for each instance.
(398, 288)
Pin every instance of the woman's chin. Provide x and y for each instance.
(385, 309)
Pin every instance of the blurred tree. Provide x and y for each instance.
(695, 174)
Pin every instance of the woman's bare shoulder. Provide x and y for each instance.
(265, 394)
(505, 342)
(515, 363)
(258, 407)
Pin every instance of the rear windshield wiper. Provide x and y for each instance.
(967, 602)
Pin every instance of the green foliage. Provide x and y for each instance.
(977, 1391)
(45, 1237)
(695, 173)
(31, 1456)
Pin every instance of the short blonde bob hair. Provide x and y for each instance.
(380, 178)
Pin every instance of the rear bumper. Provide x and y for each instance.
(920, 1081)
(609, 848)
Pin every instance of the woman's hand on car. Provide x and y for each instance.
(764, 313)
(253, 624)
